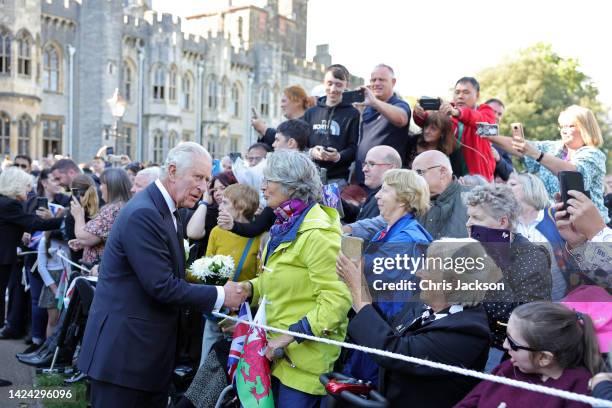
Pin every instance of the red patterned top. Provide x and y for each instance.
(100, 226)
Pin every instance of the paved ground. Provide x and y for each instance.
(21, 375)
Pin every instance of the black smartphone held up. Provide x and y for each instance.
(570, 180)
(429, 104)
(487, 129)
(357, 96)
(110, 150)
(254, 113)
(75, 193)
(42, 202)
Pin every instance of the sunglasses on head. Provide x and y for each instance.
(516, 347)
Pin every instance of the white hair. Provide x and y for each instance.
(182, 157)
(151, 173)
(14, 182)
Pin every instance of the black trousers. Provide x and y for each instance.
(5, 273)
(19, 299)
(104, 395)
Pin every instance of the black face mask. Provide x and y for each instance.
(495, 241)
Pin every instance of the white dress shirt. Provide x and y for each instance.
(172, 207)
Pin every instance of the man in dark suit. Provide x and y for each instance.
(130, 340)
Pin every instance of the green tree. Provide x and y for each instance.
(536, 84)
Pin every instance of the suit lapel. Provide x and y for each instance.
(176, 248)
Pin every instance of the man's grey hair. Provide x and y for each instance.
(151, 173)
(387, 67)
(295, 172)
(497, 200)
(182, 156)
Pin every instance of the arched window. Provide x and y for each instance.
(224, 86)
(52, 136)
(128, 81)
(5, 52)
(172, 139)
(212, 93)
(5, 133)
(159, 83)
(235, 108)
(186, 85)
(24, 55)
(264, 98)
(172, 85)
(51, 69)
(158, 147)
(23, 140)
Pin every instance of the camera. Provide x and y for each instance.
(351, 97)
(487, 129)
(428, 103)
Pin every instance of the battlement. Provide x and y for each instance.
(68, 9)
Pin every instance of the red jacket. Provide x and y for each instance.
(476, 150)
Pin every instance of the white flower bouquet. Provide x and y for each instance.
(211, 270)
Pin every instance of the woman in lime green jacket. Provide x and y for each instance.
(299, 281)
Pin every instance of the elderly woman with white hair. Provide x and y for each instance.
(447, 324)
(536, 222)
(299, 283)
(14, 222)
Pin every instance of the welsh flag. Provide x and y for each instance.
(240, 334)
(253, 375)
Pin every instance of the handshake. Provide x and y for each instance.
(236, 293)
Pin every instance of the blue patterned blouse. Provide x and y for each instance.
(589, 161)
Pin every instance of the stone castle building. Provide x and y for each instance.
(183, 79)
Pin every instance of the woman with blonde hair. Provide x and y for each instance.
(294, 103)
(578, 150)
(403, 197)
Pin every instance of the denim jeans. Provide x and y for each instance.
(39, 314)
(289, 397)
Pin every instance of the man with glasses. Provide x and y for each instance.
(447, 214)
(256, 153)
(378, 160)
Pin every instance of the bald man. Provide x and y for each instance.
(143, 178)
(447, 215)
(378, 160)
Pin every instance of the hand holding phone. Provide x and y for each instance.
(517, 132)
(254, 114)
(42, 202)
(570, 180)
(352, 247)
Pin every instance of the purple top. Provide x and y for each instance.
(490, 394)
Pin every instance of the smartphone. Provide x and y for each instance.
(110, 150)
(357, 96)
(570, 180)
(254, 113)
(75, 192)
(352, 247)
(487, 129)
(517, 131)
(42, 202)
(329, 149)
(429, 104)
(323, 175)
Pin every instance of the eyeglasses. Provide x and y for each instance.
(254, 159)
(516, 347)
(23, 166)
(370, 164)
(421, 172)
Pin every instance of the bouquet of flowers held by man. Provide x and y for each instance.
(211, 270)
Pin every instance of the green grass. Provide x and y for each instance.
(57, 380)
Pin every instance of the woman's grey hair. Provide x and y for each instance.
(295, 172)
(182, 156)
(534, 191)
(472, 180)
(14, 181)
(118, 185)
(497, 200)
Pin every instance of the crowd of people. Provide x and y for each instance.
(333, 169)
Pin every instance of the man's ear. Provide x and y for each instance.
(172, 171)
(505, 224)
(291, 143)
(393, 81)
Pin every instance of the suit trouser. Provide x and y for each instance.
(104, 395)
(17, 314)
(5, 273)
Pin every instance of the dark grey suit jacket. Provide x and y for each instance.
(131, 334)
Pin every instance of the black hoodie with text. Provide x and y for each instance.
(342, 134)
